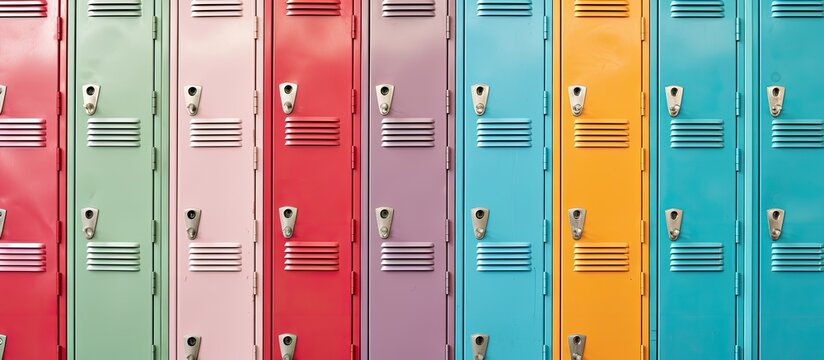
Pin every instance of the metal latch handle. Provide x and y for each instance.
(192, 96)
(288, 94)
(480, 342)
(775, 99)
(287, 343)
(577, 97)
(577, 342)
(91, 93)
(480, 95)
(192, 219)
(775, 221)
(480, 218)
(674, 96)
(192, 347)
(88, 217)
(2, 221)
(2, 97)
(288, 217)
(384, 216)
(385, 93)
(577, 218)
(673, 217)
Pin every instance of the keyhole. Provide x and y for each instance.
(479, 214)
(192, 91)
(384, 214)
(90, 90)
(479, 340)
(674, 91)
(191, 341)
(576, 91)
(673, 215)
(287, 340)
(287, 89)
(775, 215)
(287, 213)
(576, 214)
(384, 90)
(191, 214)
(89, 214)
(479, 90)
(576, 340)
(775, 92)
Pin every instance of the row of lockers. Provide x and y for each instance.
(405, 179)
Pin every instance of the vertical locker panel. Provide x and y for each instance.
(215, 211)
(697, 179)
(114, 160)
(503, 240)
(29, 142)
(792, 151)
(601, 179)
(313, 189)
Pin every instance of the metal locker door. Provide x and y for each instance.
(214, 215)
(504, 145)
(113, 240)
(602, 179)
(697, 124)
(792, 151)
(30, 140)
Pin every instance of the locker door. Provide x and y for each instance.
(114, 150)
(601, 178)
(29, 130)
(313, 171)
(792, 151)
(697, 180)
(503, 240)
(215, 210)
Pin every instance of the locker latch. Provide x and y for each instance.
(479, 345)
(775, 220)
(674, 95)
(192, 347)
(192, 96)
(385, 92)
(577, 216)
(2, 97)
(288, 215)
(288, 92)
(480, 93)
(673, 218)
(384, 215)
(480, 217)
(577, 96)
(2, 345)
(287, 344)
(192, 219)
(775, 98)
(576, 346)
(90, 95)
(2, 221)
(88, 217)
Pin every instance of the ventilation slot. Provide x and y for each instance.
(504, 8)
(215, 257)
(504, 132)
(697, 9)
(407, 256)
(408, 132)
(504, 256)
(112, 256)
(207, 8)
(312, 8)
(23, 8)
(798, 134)
(601, 8)
(114, 8)
(113, 132)
(312, 256)
(797, 9)
(312, 131)
(802, 257)
(22, 133)
(696, 257)
(215, 133)
(598, 257)
(408, 8)
(697, 133)
(601, 134)
(22, 257)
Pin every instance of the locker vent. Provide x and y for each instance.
(799, 257)
(114, 8)
(312, 8)
(601, 133)
(598, 257)
(407, 132)
(215, 257)
(23, 8)
(22, 257)
(797, 8)
(312, 131)
(507, 256)
(215, 133)
(113, 132)
(408, 8)
(707, 133)
(797, 134)
(601, 8)
(504, 8)
(112, 256)
(407, 256)
(697, 9)
(696, 257)
(504, 132)
(217, 8)
(311, 256)
(22, 133)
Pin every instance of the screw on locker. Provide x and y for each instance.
(480, 218)
(576, 346)
(288, 216)
(385, 94)
(192, 97)
(192, 219)
(577, 218)
(480, 342)
(775, 221)
(775, 99)
(673, 218)
(674, 96)
(91, 93)
(480, 95)
(288, 93)
(88, 217)
(384, 216)
(192, 347)
(577, 97)
(287, 343)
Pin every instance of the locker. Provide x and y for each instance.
(215, 180)
(409, 126)
(117, 162)
(314, 199)
(32, 136)
(602, 179)
(791, 150)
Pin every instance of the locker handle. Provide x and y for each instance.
(287, 343)
(192, 347)
(91, 93)
(673, 218)
(385, 93)
(88, 217)
(674, 96)
(577, 218)
(2, 97)
(2, 345)
(192, 96)
(775, 99)
(288, 216)
(192, 219)
(775, 221)
(2, 221)
(480, 217)
(480, 342)
(577, 97)
(577, 342)
(480, 94)
(384, 216)
(288, 94)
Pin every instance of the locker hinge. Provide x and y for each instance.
(643, 283)
(546, 27)
(254, 283)
(738, 352)
(448, 101)
(255, 158)
(354, 29)
(446, 287)
(643, 103)
(643, 159)
(353, 230)
(59, 103)
(154, 283)
(446, 231)
(446, 352)
(154, 102)
(255, 102)
(546, 101)
(353, 158)
(546, 158)
(545, 352)
(448, 27)
(352, 281)
(59, 284)
(154, 159)
(59, 231)
(737, 231)
(643, 29)
(254, 352)
(352, 351)
(354, 101)
(643, 352)
(545, 231)
(154, 27)
(737, 29)
(643, 231)
(254, 230)
(59, 352)
(737, 103)
(737, 159)
(544, 282)
(737, 283)
(59, 32)
(448, 158)
(59, 159)
(256, 25)
(154, 352)
(154, 231)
